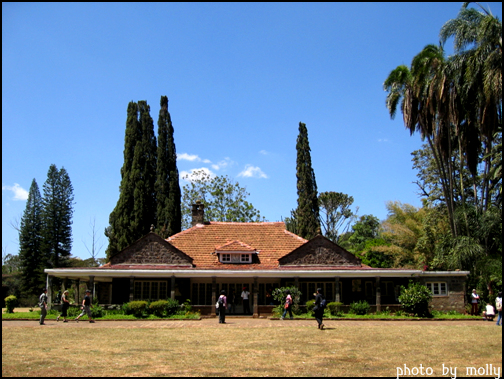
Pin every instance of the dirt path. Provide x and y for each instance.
(230, 323)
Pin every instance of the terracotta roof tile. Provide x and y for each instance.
(270, 239)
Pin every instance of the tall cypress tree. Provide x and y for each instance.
(169, 214)
(135, 210)
(57, 215)
(119, 220)
(30, 243)
(143, 176)
(308, 221)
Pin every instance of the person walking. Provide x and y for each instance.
(498, 306)
(318, 309)
(288, 306)
(222, 307)
(474, 302)
(86, 307)
(43, 306)
(245, 297)
(65, 304)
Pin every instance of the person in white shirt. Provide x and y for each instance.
(489, 312)
(245, 297)
(474, 302)
(498, 306)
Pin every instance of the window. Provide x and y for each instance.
(150, 290)
(235, 258)
(438, 288)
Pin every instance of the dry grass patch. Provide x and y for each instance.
(347, 350)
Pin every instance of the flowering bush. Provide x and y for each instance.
(415, 299)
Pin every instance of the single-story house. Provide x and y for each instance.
(199, 262)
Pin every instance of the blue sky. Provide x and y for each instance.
(239, 78)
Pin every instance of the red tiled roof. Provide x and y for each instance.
(235, 246)
(270, 239)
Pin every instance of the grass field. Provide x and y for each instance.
(344, 349)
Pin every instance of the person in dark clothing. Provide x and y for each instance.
(65, 304)
(222, 307)
(86, 307)
(317, 309)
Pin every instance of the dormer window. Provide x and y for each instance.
(235, 257)
(235, 252)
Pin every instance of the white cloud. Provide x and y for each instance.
(383, 140)
(191, 175)
(188, 157)
(226, 162)
(19, 192)
(252, 172)
(263, 152)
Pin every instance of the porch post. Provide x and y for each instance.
(214, 290)
(91, 286)
(77, 300)
(337, 298)
(296, 282)
(132, 288)
(49, 292)
(255, 296)
(172, 287)
(378, 294)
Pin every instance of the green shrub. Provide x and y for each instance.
(73, 312)
(97, 311)
(186, 307)
(277, 311)
(126, 309)
(359, 308)
(335, 308)
(137, 307)
(158, 308)
(310, 304)
(10, 303)
(173, 307)
(385, 312)
(415, 299)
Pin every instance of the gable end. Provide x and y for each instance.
(320, 251)
(152, 249)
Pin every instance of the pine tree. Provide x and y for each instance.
(57, 217)
(30, 243)
(118, 230)
(308, 221)
(169, 216)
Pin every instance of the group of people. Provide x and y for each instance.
(318, 308)
(222, 305)
(489, 312)
(65, 304)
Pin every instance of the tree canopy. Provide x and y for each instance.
(224, 200)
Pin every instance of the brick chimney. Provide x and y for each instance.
(198, 213)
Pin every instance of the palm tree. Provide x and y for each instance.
(423, 93)
(476, 70)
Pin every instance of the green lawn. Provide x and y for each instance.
(281, 349)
